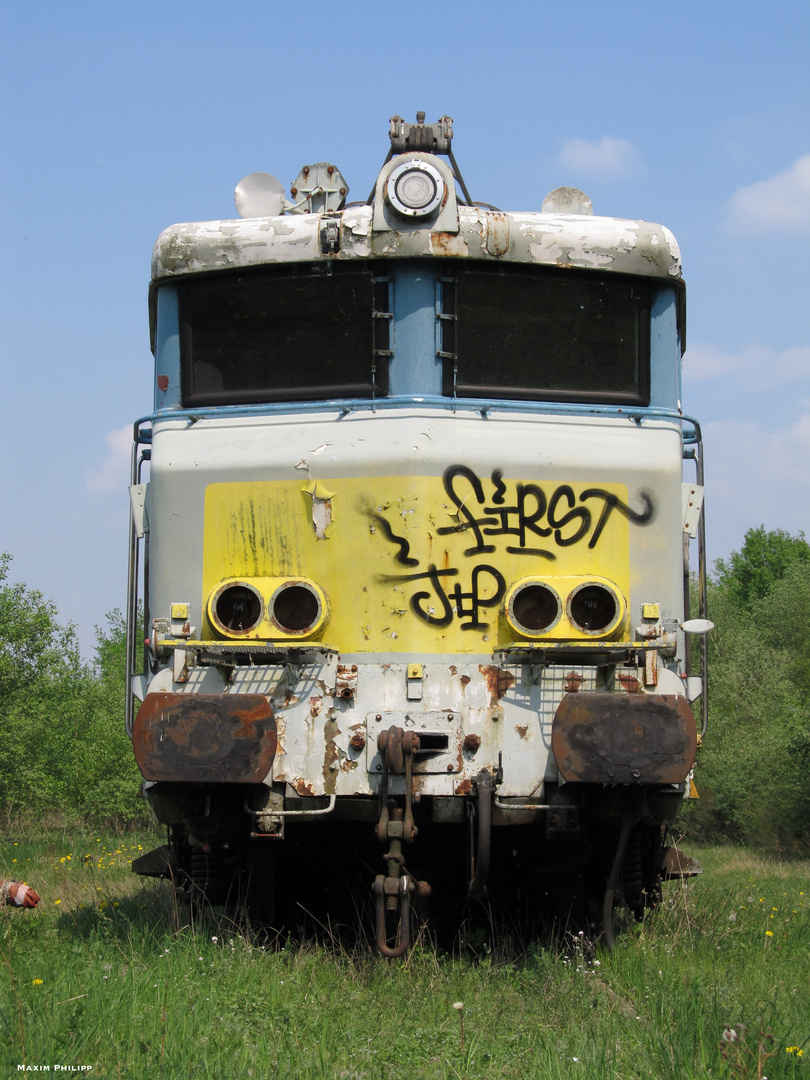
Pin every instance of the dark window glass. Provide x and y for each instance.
(285, 335)
(558, 337)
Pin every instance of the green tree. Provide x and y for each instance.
(32, 643)
(765, 557)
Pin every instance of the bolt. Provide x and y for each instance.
(449, 768)
(357, 741)
(378, 717)
(471, 743)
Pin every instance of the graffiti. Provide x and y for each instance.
(532, 513)
(487, 589)
(528, 514)
(403, 555)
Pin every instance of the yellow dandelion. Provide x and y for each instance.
(769, 933)
(57, 901)
(36, 982)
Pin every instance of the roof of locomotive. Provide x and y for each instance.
(391, 225)
(579, 241)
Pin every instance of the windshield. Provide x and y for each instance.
(523, 333)
(284, 335)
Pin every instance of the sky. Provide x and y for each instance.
(117, 120)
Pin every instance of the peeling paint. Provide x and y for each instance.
(616, 244)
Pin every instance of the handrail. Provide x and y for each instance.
(484, 407)
(136, 463)
(695, 453)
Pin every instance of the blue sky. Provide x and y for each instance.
(118, 120)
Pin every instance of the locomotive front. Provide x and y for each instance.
(415, 545)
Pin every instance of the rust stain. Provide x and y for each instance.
(522, 730)
(498, 680)
(330, 756)
(464, 787)
(454, 670)
(281, 733)
(442, 243)
(465, 680)
(315, 706)
(630, 683)
(303, 787)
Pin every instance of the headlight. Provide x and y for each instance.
(415, 189)
(268, 608)
(594, 608)
(236, 608)
(533, 608)
(296, 608)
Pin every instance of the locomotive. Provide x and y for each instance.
(411, 530)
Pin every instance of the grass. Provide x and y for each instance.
(107, 972)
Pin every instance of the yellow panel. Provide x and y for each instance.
(415, 564)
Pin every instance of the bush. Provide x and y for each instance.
(753, 770)
(63, 747)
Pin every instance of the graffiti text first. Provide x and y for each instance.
(530, 514)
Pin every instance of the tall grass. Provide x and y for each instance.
(109, 972)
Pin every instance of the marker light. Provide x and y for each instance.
(415, 189)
